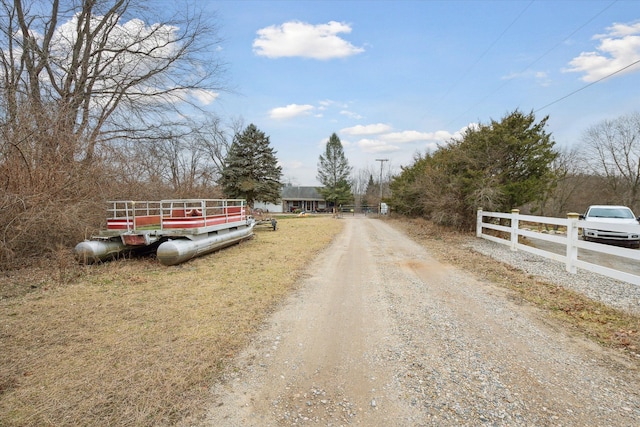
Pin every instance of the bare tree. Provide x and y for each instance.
(82, 83)
(569, 179)
(359, 180)
(213, 140)
(612, 149)
(94, 77)
(187, 161)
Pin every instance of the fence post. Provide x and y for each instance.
(514, 229)
(572, 239)
(479, 223)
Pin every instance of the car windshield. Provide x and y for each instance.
(611, 213)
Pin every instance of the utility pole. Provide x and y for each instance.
(381, 163)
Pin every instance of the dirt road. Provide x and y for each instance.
(381, 334)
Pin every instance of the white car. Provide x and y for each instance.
(612, 215)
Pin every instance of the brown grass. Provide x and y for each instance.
(607, 326)
(133, 342)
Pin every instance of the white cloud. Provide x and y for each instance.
(351, 114)
(376, 146)
(541, 77)
(406, 136)
(305, 40)
(206, 97)
(374, 129)
(621, 30)
(324, 106)
(415, 136)
(328, 103)
(618, 48)
(389, 142)
(290, 111)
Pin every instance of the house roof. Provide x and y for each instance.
(291, 192)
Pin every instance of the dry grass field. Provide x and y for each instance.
(133, 342)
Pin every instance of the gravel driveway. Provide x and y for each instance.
(381, 334)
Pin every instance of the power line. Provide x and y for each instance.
(586, 86)
(538, 59)
(468, 70)
(570, 35)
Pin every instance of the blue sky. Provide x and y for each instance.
(395, 78)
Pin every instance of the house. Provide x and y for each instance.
(308, 199)
(296, 198)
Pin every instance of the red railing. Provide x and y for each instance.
(132, 216)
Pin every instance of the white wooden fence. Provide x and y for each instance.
(571, 240)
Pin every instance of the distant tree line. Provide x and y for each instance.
(514, 163)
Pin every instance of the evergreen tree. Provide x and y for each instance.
(251, 169)
(498, 166)
(333, 173)
(370, 195)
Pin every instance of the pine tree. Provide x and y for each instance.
(333, 173)
(251, 169)
(371, 194)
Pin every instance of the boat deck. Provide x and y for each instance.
(177, 230)
(150, 220)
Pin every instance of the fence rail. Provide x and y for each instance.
(511, 235)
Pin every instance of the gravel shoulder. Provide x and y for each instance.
(380, 334)
(621, 295)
